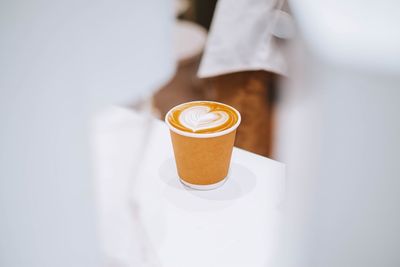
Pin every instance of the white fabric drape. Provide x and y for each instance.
(242, 38)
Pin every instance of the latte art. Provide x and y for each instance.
(202, 117)
(199, 118)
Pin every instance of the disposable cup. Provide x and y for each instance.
(203, 159)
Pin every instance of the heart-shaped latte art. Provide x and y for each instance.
(197, 118)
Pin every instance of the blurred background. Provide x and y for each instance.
(316, 82)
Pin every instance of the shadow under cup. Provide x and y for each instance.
(203, 160)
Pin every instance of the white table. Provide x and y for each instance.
(234, 225)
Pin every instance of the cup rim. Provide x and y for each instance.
(203, 135)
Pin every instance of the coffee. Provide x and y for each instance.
(203, 134)
(203, 117)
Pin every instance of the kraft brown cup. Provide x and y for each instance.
(203, 160)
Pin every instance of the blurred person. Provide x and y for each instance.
(241, 61)
(60, 63)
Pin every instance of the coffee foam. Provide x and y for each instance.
(202, 117)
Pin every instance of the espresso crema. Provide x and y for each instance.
(202, 117)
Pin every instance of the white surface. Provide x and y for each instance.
(234, 225)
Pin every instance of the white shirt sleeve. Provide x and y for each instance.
(241, 38)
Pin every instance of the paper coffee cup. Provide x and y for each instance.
(203, 159)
